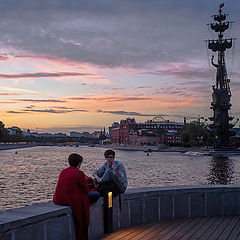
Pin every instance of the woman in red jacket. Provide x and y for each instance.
(72, 190)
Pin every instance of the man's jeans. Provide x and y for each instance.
(109, 176)
(93, 197)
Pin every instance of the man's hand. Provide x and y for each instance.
(115, 167)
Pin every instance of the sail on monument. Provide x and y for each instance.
(221, 126)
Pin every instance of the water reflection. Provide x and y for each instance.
(221, 171)
(31, 175)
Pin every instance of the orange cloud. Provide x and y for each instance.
(9, 94)
(130, 102)
(186, 102)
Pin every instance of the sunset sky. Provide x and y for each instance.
(80, 65)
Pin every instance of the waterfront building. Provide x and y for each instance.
(75, 134)
(96, 134)
(13, 130)
(60, 135)
(152, 132)
(115, 135)
(127, 128)
(34, 134)
(114, 125)
(46, 135)
(87, 135)
(81, 134)
(26, 133)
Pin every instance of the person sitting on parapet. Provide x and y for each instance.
(111, 172)
(72, 190)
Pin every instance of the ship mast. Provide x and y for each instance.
(221, 126)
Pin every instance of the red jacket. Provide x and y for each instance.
(72, 190)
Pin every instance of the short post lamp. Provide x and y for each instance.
(107, 212)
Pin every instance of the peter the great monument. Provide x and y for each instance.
(221, 126)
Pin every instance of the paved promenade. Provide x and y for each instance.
(218, 228)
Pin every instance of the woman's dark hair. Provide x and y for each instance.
(74, 159)
(109, 152)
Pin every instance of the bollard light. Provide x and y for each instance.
(109, 199)
(108, 212)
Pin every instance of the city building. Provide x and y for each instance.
(152, 132)
(13, 130)
(60, 135)
(96, 134)
(46, 135)
(114, 125)
(26, 133)
(75, 134)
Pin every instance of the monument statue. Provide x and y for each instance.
(221, 126)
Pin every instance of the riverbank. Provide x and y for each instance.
(10, 146)
(17, 145)
(152, 148)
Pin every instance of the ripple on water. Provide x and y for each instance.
(31, 175)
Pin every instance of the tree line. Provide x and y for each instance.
(6, 137)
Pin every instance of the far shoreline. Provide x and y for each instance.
(17, 146)
(11, 146)
(152, 148)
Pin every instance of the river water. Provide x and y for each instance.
(30, 176)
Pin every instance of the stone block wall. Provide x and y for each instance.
(147, 205)
(38, 222)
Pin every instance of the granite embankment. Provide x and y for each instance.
(17, 145)
(162, 148)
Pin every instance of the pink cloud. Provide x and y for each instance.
(182, 71)
(43, 74)
(4, 57)
(52, 67)
(112, 98)
(40, 100)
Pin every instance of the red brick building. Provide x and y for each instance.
(128, 132)
(115, 136)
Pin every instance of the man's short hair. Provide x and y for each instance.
(74, 159)
(109, 152)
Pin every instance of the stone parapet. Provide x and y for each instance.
(48, 221)
(39, 221)
(147, 205)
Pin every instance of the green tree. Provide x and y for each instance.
(3, 132)
(194, 134)
(17, 137)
